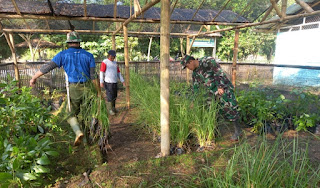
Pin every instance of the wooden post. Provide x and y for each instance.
(149, 48)
(164, 77)
(188, 49)
(10, 42)
(126, 61)
(235, 57)
(114, 42)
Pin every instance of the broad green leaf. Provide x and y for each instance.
(40, 129)
(4, 176)
(44, 160)
(40, 169)
(28, 176)
(15, 164)
(31, 153)
(52, 153)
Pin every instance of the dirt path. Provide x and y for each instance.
(129, 141)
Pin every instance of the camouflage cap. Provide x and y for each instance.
(73, 36)
(185, 60)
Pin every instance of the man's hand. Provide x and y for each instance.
(32, 82)
(220, 91)
(101, 85)
(124, 84)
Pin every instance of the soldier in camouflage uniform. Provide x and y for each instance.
(209, 75)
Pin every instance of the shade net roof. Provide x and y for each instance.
(94, 16)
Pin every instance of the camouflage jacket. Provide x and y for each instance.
(210, 75)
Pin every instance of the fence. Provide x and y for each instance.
(246, 72)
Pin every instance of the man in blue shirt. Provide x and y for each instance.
(79, 66)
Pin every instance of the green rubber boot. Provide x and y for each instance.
(110, 109)
(73, 121)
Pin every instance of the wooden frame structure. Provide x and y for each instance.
(165, 20)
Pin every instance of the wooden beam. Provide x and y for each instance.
(188, 49)
(284, 8)
(194, 14)
(10, 41)
(164, 78)
(87, 31)
(276, 8)
(235, 57)
(136, 6)
(85, 8)
(260, 23)
(268, 12)
(224, 6)
(305, 6)
(115, 9)
(16, 7)
(138, 20)
(126, 61)
(114, 42)
(51, 8)
(173, 7)
(145, 8)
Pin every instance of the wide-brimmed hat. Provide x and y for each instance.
(73, 36)
(185, 60)
(112, 53)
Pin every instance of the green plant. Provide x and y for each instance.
(24, 145)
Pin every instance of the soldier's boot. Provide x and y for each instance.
(76, 129)
(237, 131)
(110, 110)
(113, 106)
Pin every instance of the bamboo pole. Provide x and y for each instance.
(149, 47)
(305, 6)
(85, 8)
(145, 8)
(284, 8)
(188, 49)
(276, 8)
(173, 7)
(138, 20)
(164, 77)
(268, 12)
(126, 61)
(114, 42)
(10, 41)
(85, 31)
(260, 23)
(235, 57)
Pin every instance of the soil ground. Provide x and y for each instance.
(132, 147)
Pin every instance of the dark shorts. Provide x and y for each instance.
(111, 91)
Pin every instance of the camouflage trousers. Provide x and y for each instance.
(228, 105)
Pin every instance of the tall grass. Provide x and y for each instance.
(94, 112)
(188, 114)
(276, 164)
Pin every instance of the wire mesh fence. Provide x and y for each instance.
(246, 72)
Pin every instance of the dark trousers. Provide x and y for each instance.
(111, 91)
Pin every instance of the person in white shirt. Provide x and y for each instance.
(109, 74)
